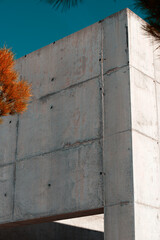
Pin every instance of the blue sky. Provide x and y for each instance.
(27, 25)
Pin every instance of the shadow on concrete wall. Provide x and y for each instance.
(49, 231)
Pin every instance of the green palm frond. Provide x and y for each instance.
(151, 9)
(64, 4)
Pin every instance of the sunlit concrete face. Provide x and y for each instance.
(89, 140)
(145, 101)
(131, 140)
(95, 222)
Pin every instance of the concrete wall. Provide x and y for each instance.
(55, 164)
(90, 137)
(53, 168)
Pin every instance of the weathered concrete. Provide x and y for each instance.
(47, 192)
(131, 140)
(60, 120)
(8, 137)
(6, 190)
(145, 131)
(90, 138)
(59, 138)
(71, 60)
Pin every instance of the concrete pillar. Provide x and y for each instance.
(131, 131)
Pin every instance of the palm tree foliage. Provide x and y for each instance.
(65, 4)
(151, 9)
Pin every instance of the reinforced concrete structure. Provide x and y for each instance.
(89, 141)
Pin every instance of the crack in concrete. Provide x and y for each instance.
(135, 130)
(115, 69)
(70, 87)
(122, 203)
(147, 205)
(65, 147)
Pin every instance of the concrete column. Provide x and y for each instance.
(131, 159)
(145, 103)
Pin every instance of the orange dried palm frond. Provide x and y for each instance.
(14, 94)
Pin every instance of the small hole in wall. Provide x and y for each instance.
(10, 122)
(51, 107)
(52, 79)
(49, 185)
(5, 194)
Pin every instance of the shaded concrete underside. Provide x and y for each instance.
(50, 231)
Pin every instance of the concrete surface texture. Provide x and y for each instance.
(131, 157)
(90, 138)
